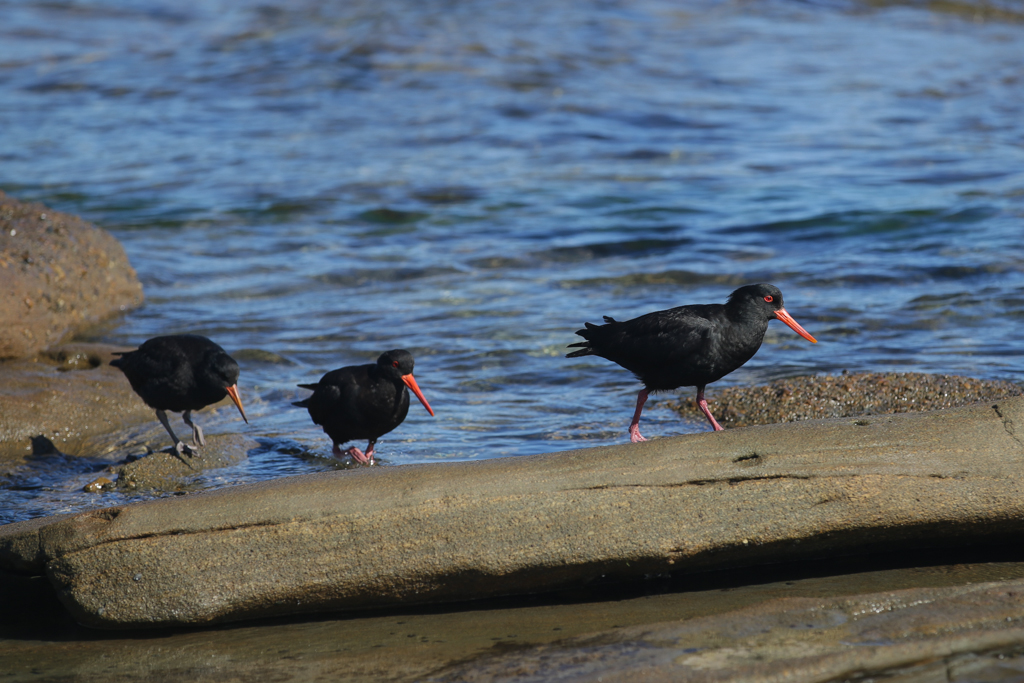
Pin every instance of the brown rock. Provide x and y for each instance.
(98, 484)
(167, 471)
(67, 396)
(58, 274)
(380, 537)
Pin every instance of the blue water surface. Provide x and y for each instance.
(312, 183)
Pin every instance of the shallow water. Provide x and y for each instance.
(312, 183)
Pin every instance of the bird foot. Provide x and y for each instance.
(354, 453)
(182, 448)
(359, 456)
(634, 426)
(634, 434)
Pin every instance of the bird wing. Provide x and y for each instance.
(664, 349)
(321, 402)
(662, 335)
(157, 375)
(336, 397)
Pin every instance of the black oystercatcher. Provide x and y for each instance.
(688, 346)
(181, 373)
(363, 401)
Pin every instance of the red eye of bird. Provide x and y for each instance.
(769, 298)
(394, 363)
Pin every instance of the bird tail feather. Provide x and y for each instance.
(585, 351)
(304, 403)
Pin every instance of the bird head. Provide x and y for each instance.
(767, 299)
(224, 370)
(399, 362)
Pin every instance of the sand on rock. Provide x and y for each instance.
(843, 395)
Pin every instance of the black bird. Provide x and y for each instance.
(181, 373)
(688, 346)
(363, 401)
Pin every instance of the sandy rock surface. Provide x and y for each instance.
(58, 274)
(67, 395)
(165, 470)
(380, 537)
(842, 395)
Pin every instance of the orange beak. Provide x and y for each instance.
(410, 382)
(788, 319)
(233, 393)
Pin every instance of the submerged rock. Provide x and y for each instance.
(58, 274)
(167, 471)
(844, 395)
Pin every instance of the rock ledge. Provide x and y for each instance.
(449, 532)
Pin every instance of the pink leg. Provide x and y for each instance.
(358, 455)
(634, 426)
(355, 453)
(369, 452)
(704, 408)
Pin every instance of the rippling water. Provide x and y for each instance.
(311, 183)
